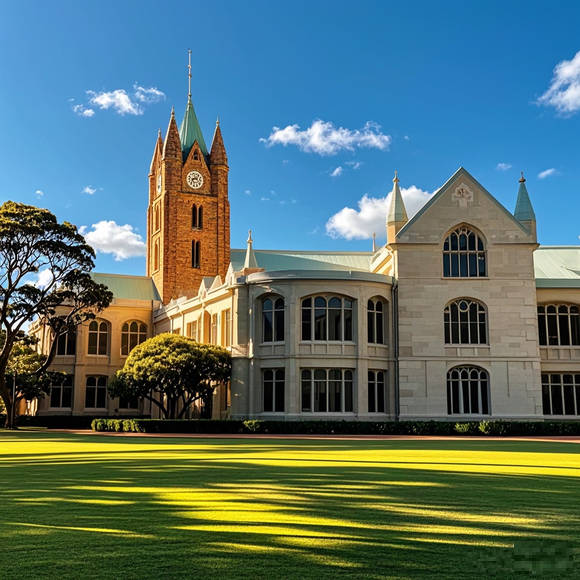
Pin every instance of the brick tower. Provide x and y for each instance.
(188, 218)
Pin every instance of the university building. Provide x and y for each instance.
(461, 315)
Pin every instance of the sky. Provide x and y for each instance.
(319, 103)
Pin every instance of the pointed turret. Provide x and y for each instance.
(157, 153)
(190, 131)
(397, 214)
(217, 155)
(524, 211)
(250, 263)
(172, 146)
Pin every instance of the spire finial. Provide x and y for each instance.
(249, 237)
(159, 134)
(522, 178)
(396, 179)
(217, 122)
(374, 242)
(173, 112)
(189, 75)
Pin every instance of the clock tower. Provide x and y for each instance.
(188, 219)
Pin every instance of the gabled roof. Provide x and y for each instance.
(557, 266)
(128, 287)
(460, 172)
(278, 260)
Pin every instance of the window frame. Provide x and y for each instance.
(101, 390)
(321, 392)
(67, 383)
(552, 322)
(316, 318)
(564, 402)
(463, 385)
(100, 322)
(455, 330)
(274, 380)
(374, 387)
(276, 320)
(464, 261)
(129, 333)
(69, 342)
(376, 319)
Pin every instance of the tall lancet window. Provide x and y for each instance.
(464, 255)
(195, 254)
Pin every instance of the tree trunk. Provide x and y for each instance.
(10, 407)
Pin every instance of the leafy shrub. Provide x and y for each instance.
(468, 428)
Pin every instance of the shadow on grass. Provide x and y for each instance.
(184, 508)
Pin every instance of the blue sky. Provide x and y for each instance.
(420, 87)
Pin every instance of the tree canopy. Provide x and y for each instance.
(44, 265)
(172, 371)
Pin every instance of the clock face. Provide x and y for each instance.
(194, 179)
(159, 184)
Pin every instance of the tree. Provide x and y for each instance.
(44, 266)
(21, 373)
(170, 369)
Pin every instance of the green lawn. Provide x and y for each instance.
(96, 507)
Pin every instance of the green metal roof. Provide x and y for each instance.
(557, 266)
(524, 210)
(190, 131)
(128, 287)
(277, 260)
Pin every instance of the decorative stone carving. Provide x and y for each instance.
(463, 195)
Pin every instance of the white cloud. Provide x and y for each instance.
(90, 190)
(265, 199)
(45, 277)
(120, 101)
(148, 96)
(337, 172)
(564, 91)
(371, 215)
(39, 193)
(82, 111)
(503, 166)
(406, 137)
(326, 139)
(248, 192)
(286, 162)
(354, 164)
(109, 238)
(548, 173)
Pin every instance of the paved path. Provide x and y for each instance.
(555, 438)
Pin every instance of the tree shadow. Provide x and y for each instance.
(181, 508)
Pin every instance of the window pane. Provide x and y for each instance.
(93, 342)
(320, 324)
(268, 394)
(334, 324)
(564, 329)
(371, 326)
(381, 393)
(569, 407)
(279, 325)
(348, 406)
(380, 327)
(546, 406)
(66, 397)
(268, 329)
(371, 392)
(90, 397)
(279, 395)
(306, 323)
(55, 393)
(348, 324)
(557, 403)
(542, 329)
(101, 397)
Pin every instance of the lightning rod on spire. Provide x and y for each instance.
(189, 74)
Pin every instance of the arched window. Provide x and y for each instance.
(559, 325)
(195, 254)
(376, 399)
(273, 393)
(465, 322)
(96, 393)
(327, 391)
(98, 337)
(273, 320)
(196, 217)
(156, 218)
(67, 343)
(327, 318)
(195, 155)
(464, 255)
(561, 394)
(376, 321)
(132, 334)
(467, 391)
(61, 392)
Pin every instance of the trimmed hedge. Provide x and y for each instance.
(493, 428)
(52, 421)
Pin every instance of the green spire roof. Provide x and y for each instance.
(190, 131)
(524, 210)
(397, 211)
